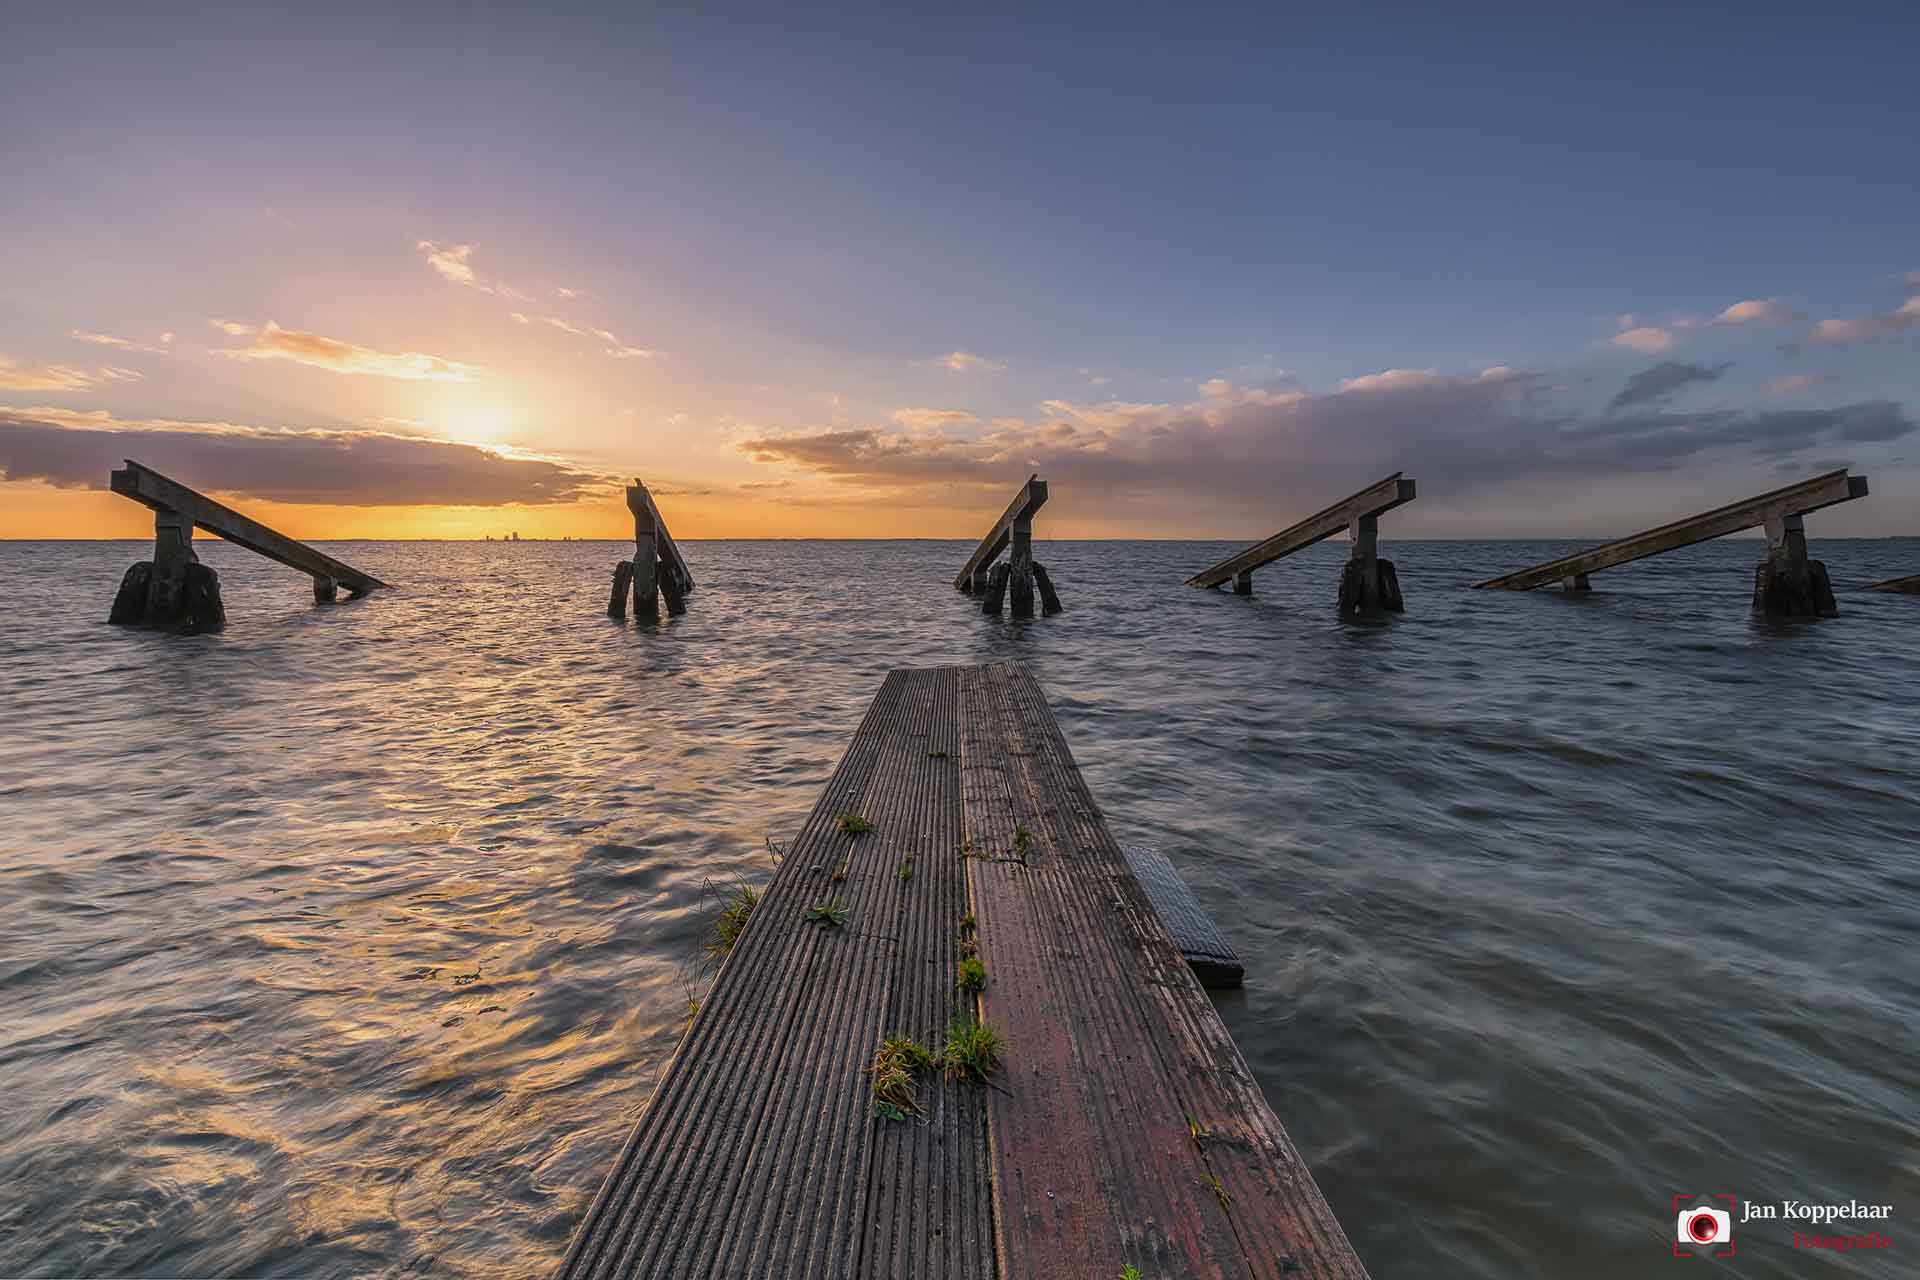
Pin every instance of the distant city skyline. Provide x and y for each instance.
(461, 271)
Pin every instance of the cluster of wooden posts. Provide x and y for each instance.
(174, 591)
(657, 568)
(1017, 578)
(1787, 584)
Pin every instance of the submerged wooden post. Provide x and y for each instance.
(1786, 584)
(1369, 586)
(657, 568)
(1049, 601)
(174, 591)
(1012, 533)
(1900, 586)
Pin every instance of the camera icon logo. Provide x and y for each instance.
(1701, 1227)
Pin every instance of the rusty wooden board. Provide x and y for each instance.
(760, 1153)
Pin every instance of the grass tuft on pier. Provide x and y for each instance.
(972, 1050)
(736, 908)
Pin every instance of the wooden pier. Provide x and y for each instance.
(1121, 1127)
(1902, 586)
(1013, 533)
(657, 568)
(1369, 586)
(174, 591)
(1786, 583)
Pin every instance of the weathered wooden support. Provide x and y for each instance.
(175, 591)
(1902, 586)
(1012, 533)
(996, 593)
(1369, 587)
(1786, 584)
(1049, 600)
(1120, 1129)
(657, 569)
(622, 583)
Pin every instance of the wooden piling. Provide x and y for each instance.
(174, 591)
(1049, 601)
(1786, 584)
(622, 584)
(1369, 586)
(996, 593)
(1012, 533)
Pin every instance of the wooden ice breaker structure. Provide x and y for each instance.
(1013, 533)
(174, 591)
(1368, 585)
(1122, 1127)
(657, 568)
(1786, 584)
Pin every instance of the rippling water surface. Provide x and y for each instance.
(350, 941)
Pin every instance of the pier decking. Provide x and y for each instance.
(1122, 1127)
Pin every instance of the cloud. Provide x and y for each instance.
(519, 318)
(1662, 381)
(1863, 328)
(73, 450)
(274, 343)
(108, 340)
(923, 418)
(1795, 383)
(967, 362)
(232, 328)
(114, 373)
(44, 377)
(166, 337)
(614, 347)
(631, 353)
(1647, 340)
(451, 261)
(1265, 448)
(1756, 311)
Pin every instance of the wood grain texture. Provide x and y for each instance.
(1032, 496)
(1775, 505)
(759, 1153)
(1381, 496)
(147, 486)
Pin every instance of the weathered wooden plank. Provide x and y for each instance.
(1905, 586)
(1778, 504)
(1208, 954)
(667, 548)
(1384, 495)
(759, 1153)
(1032, 496)
(147, 486)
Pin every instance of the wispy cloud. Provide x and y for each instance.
(1794, 383)
(1662, 381)
(1756, 311)
(232, 328)
(114, 373)
(1864, 328)
(271, 342)
(43, 377)
(612, 345)
(925, 418)
(108, 340)
(454, 262)
(1646, 339)
(346, 468)
(968, 362)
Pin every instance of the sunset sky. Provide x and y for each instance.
(445, 271)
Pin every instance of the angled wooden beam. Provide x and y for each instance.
(1772, 508)
(669, 550)
(1321, 525)
(147, 486)
(1904, 586)
(1032, 496)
